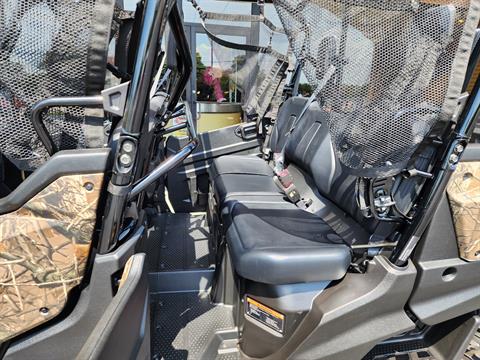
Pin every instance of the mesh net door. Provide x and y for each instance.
(385, 71)
(48, 49)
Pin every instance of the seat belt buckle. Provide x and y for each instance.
(285, 181)
(285, 178)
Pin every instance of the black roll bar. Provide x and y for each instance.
(41, 106)
(165, 166)
(448, 159)
(184, 59)
(120, 187)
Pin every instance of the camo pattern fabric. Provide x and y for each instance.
(473, 350)
(44, 247)
(464, 196)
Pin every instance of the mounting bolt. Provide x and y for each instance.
(459, 148)
(44, 311)
(88, 186)
(125, 159)
(128, 146)
(453, 159)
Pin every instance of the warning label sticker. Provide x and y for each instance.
(267, 316)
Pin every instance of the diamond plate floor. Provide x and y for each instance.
(184, 326)
(184, 323)
(178, 242)
(472, 353)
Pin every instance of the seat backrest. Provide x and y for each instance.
(287, 114)
(49, 49)
(398, 67)
(309, 148)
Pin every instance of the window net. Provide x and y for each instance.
(46, 49)
(385, 71)
(248, 59)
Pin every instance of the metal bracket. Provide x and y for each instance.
(462, 100)
(383, 203)
(114, 98)
(248, 131)
(415, 172)
(374, 198)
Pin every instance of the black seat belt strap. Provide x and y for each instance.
(282, 177)
(313, 97)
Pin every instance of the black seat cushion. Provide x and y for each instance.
(239, 164)
(281, 244)
(230, 185)
(238, 175)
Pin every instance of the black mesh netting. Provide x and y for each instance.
(248, 61)
(386, 71)
(43, 53)
(257, 76)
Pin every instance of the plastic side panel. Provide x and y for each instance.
(464, 197)
(454, 344)
(123, 330)
(44, 247)
(446, 286)
(347, 320)
(64, 339)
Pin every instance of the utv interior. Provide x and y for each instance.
(213, 179)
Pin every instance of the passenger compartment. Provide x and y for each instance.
(275, 247)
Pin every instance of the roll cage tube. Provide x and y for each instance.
(184, 60)
(449, 156)
(120, 187)
(170, 162)
(40, 107)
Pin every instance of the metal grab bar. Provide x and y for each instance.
(162, 169)
(172, 161)
(39, 107)
(173, 129)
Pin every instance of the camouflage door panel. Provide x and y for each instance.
(44, 248)
(464, 197)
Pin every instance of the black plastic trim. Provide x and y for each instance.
(124, 326)
(67, 162)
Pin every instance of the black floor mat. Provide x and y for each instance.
(178, 242)
(184, 326)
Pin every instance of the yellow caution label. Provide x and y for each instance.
(265, 315)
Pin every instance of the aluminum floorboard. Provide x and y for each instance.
(186, 326)
(178, 242)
